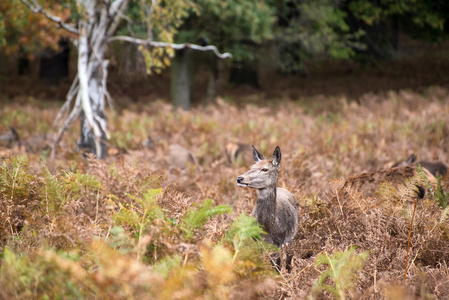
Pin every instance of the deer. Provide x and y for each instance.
(33, 144)
(436, 168)
(236, 153)
(276, 209)
(11, 137)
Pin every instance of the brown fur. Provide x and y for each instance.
(436, 168)
(11, 137)
(238, 152)
(33, 144)
(276, 209)
(361, 192)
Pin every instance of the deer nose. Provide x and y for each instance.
(239, 179)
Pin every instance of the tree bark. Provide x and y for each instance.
(214, 79)
(94, 31)
(87, 141)
(91, 53)
(181, 79)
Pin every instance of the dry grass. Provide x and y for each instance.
(323, 142)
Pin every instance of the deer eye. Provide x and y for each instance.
(264, 170)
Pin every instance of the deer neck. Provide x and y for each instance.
(265, 208)
(266, 200)
(267, 194)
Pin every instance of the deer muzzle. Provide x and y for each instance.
(240, 182)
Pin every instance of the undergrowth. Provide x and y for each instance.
(69, 235)
(142, 223)
(341, 270)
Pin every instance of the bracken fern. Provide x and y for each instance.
(196, 217)
(342, 268)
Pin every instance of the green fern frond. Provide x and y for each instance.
(342, 268)
(15, 178)
(165, 265)
(148, 204)
(119, 239)
(436, 194)
(139, 214)
(245, 228)
(77, 180)
(198, 216)
(245, 234)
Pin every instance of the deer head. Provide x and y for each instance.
(264, 173)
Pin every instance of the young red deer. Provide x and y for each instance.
(11, 137)
(436, 168)
(33, 144)
(237, 153)
(276, 209)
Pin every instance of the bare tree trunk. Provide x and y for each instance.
(87, 140)
(90, 88)
(91, 73)
(214, 79)
(90, 85)
(181, 79)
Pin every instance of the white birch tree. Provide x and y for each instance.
(95, 27)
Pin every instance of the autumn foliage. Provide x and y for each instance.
(22, 31)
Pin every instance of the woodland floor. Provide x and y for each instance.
(328, 128)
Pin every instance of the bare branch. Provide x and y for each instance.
(109, 99)
(149, 13)
(191, 46)
(37, 8)
(65, 108)
(117, 10)
(73, 115)
(102, 121)
(170, 45)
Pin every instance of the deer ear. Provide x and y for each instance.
(277, 157)
(411, 159)
(257, 155)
